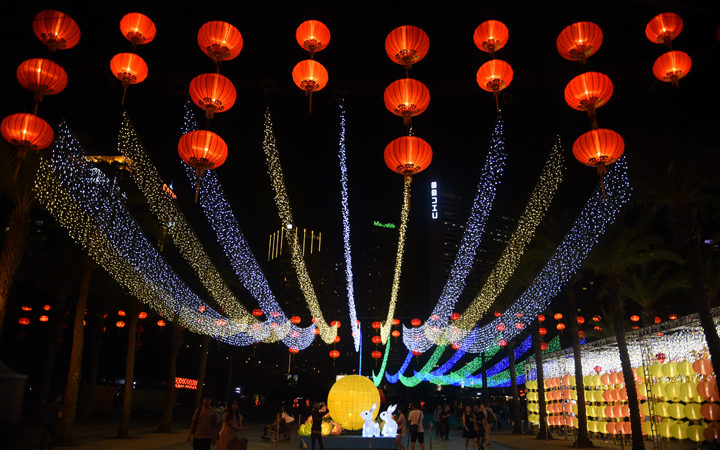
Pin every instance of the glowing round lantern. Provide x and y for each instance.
(560, 326)
(337, 339)
(294, 319)
(56, 29)
(377, 325)
(558, 316)
(348, 397)
(24, 321)
(406, 98)
(502, 342)
(335, 323)
(257, 312)
(657, 319)
(394, 322)
(313, 36)
(334, 353)
(408, 155)
(542, 331)
(26, 308)
(213, 93)
(543, 346)
(46, 307)
(129, 68)
(497, 314)
(161, 323)
(310, 76)
(672, 66)
(672, 316)
(142, 315)
(519, 326)
(42, 77)
(203, 150)
(635, 318)
(596, 318)
(316, 331)
(456, 345)
(376, 355)
(395, 334)
(455, 316)
(121, 313)
(120, 324)
(494, 76)
(541, 318)
(710, 411)
(417, 352)
(579, 41)
(580, 320)
(26, 132)
(293, 349)
(137, 28)
(378, 339)
(598, 148)
(416, 322)
(220, 41)
(588, 91)
(407, 45)
(500, 327)
(663, 28)
(490, 36)
(43, 318)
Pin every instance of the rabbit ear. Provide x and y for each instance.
(372, 408)
(391, 408)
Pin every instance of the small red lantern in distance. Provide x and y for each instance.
(542, 331)
(337, 339)
(378, 339)
(408, 155)
(500, 327)
(502, 342)
(376, 354)
(26, 308)
(56, 29)
(434, 317)
(313, 36)
(543, 346)
(24, 321)
(121, 313)
(519, 326)
(673, 316)
(416, 352)
(161, 323)
(455, 316)
(560, 326)
(46, 307)
(597, 328)
(394, 322)
(558, 316)
(335, 323)
(407, 98)
(213, 92)
(257, 312)
(635, 318)
(293, 349)
(377, 325)
(120, 324)
(43, 318)
(220, 41)
(518, 315)
(142, 315)
(137, 28)
(407, 45)
(580, 320)
(663, 28)
(395, 334)
(579, 41)
(541, 317)
(658, 319)
(316, 331)
(635, 327)
(295, 319)
(334, 354)
(497, 314)
(416, 322)
(596, 318)
(672, 66)
(490, 36)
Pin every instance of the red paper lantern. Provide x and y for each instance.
(519, 326)
(26, 308)
(497, 314)
(137, 28)
(42, 77)
(417, 352)
(543, 346)
(560, 326)
(394, 322)
(120, 324)
(673, 316)
(378, 339)
(406, 45)
(294, 319)
(46, 307)
(220, 40)
(129, 68)
(316, 331)
(376, 354)
(395, 334)
(43, 318)
(635, 318)
(334, 354)
(313, 36)
(579, 41)
(588, 92)
(203, 150)
(542, 331)
(494, 76)
(161, 323)
(56, 29)
(335, 323)
(598, 148)
(596, 318)
(293, 349)
(416, 322)
(658, 319)
(408, 155)
(456, 345)
(663, 28)
(213, 92)
(26, 132)
(502, 342)
(377, 325)
(500, 327)
(24, 321)
(406, 98)
(597, 328)
(558, 316)
(580, 320)
(142, 315)
(121, 313)
(310, 76)
(541, 317)
(490, 36)
(257, 312)
(672, 66)
(337, 339)
(455, 316)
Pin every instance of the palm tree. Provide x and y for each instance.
(204, 350)
(517, 426)
(646, 285)
(583, 439)
(133, 312)
(543, 432)
(171, 392)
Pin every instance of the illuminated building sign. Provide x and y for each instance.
(384, 225)
(433, 200)
(185, 383)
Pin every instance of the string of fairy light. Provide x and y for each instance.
(354, 325)
(274, 168)
(92, 208)
(395, 289)
(219, 214)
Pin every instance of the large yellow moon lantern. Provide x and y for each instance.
(348, 397)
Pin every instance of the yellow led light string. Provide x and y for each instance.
(385, 330)
(327, 333)
(533, 214)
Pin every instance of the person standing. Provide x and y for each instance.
(318, 412)
(436, 420)
(445, 423)
(231, 426)
(417, 433)
(401, 430)
(490, 420)
(482, 425)
(204, 426)
(469, 422)
(287, 423)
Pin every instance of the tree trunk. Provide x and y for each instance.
(134, 310)
(171, 394)
(517, 427)
(96, 342)
(544, 432)
(618, 304)
(583, 439)
(57, 318)
(204, 348)
(18, 226)
(484, 379)
(65, 428)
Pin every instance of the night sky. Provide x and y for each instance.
(457, 124)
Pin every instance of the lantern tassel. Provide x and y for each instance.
(602, 170)
(122, 101)
(198, 175)
(20, 156)
(497, 101)
(310, 102)
(593, 117)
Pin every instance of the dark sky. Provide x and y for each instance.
(457, 124)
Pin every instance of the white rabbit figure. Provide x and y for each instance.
(370, 427)
(391, 427)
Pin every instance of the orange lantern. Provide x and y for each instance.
(293, 349)
(313, 36)
(417, 352)
(407, 45)
(502, 342)
(26, 132)
(161, 323)
(455, 316)
(310, 76)
(657, 319)
(558, 316)
(490, 36)
(543, 346)
(142, 315)
(56, 29)
(542, 331)
(24, 321)
(376, 354)
(541, 317)
(42, 77)
(378, 339)
(494, 76)
(497, 314)
(672, 316)
(295, 319)
(407, 98)
(137, 28)
(337, 339)
(220, 41)
(580, 320)
(213, 93)
(579, 41)
(394, 322)
(129, 68)
(416, 322)
(46, 308)
(408, 155)
(257, 312)
(335, 323)
(395, 334)
(560, 326)
(596, 318)
(120, 324)
(598, 148)
(121, 313)
(635, 318)
(672, 66)
(43, 318)
(500, 327)
(588, 91)
(202, 150)
(334, 354)
(376, 325)
(597, 328)
(519, 326)
(316, 331)
(26, 308)
(663, 28)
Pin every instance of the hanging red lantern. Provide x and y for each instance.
(394, 322)
(337, 339)
(310, 76)
(137, 28)
(673, 316)
(434, 317)
(542, 331)
(490, 36)
(377, 325)
(201, 308)
(275, 314)
(257, 312)
(497, 314)
(313, 36)
(406, 98)
(596, 318)
(24, 321)
(26, 308)
(635, 327)
(376, 354)
(293, 349)
(335, 323)
(502, 342)
(121, 313)
(161, 323)
(456, 345)
(223, 322)
(46, 308)
(580, 320)
(560, 326)
(378, 339)
(663, 28)
(408, 155)
(558, 316)
(129, 68)
(635, 318)
(213, 92)
(220, 41)
(334, 354)
(142, 315)
(294, 319)
(395, 334)
(416, 322)
(120, 324)
(589, 91)
(598, 148)
(541, 317)
(203, 150)
(494, 76)
(579, 41)
(543, 346)
(56, 29)
(658, 319)
(581, 334)
(597, 328)
(519, 326)
(672, 66)
(316, 331)
(417, 352)
(42, 77)
(500, 327)
(26, 132)
(43, 318)
(407, 45)
(455, 316)
(518, 315)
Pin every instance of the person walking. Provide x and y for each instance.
(417, 433)
(401, 430)
(482, 424)
(231, 426)
(318, 412)
(469, 423)
(445, 423)
(204, 426)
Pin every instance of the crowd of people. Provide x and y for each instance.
(220, 424)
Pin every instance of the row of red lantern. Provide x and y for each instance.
(673, 65)
(495, 75)
(309, 75)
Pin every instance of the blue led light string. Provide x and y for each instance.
(378, 377)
